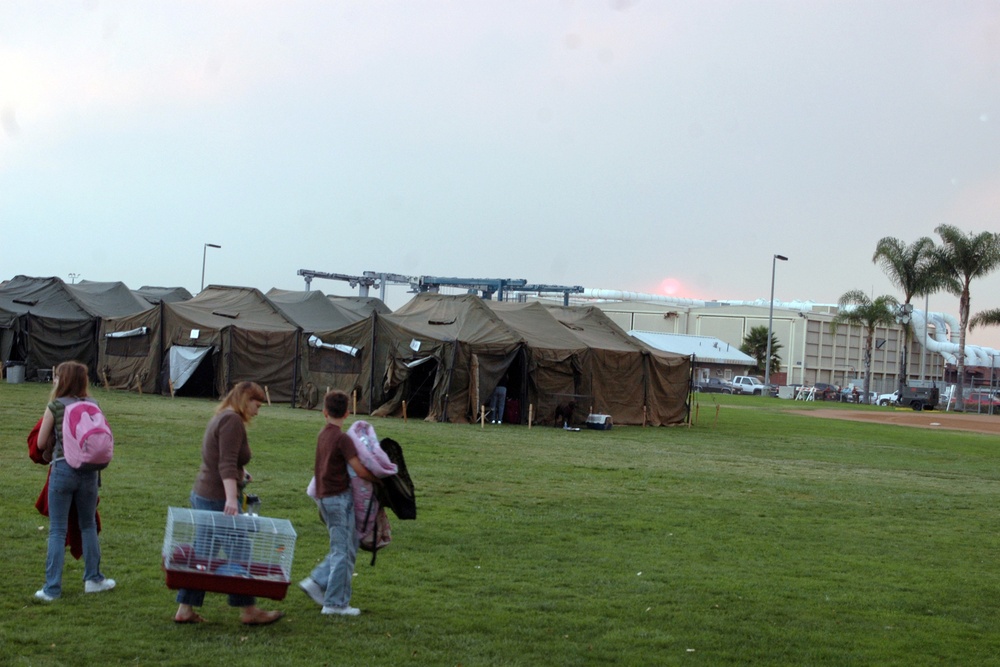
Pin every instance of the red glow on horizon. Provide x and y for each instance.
(670, 287)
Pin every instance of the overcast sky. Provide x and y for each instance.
(650, 146)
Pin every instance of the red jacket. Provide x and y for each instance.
(73, 538)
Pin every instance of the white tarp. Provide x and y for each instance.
(183, 363)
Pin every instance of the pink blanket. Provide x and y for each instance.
(369, 516)
(370, 521)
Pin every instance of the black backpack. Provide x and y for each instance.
(396, 491)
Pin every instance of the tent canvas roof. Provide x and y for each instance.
(110, 299)
(593, 327)
(312, 310)
(219, 306)
(445, 317)
(51, 297)
(364, 305)
(163, 294)
(537, 325)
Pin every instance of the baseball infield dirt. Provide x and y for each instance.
(931, 419)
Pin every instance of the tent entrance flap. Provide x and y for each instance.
(418, 389)
(184, 361)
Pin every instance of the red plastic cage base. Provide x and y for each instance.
(220, 583)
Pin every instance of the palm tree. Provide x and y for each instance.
(912, 269)
(986, 318)
(856, 308)
(755, 345)
(961, 258)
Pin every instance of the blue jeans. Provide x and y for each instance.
(497, 402)
(205, 546)
(67, 485)
(334, 573)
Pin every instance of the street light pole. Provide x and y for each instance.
(903, 316)
(204, 253)
(770, 323)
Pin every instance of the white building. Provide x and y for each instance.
(810, 351)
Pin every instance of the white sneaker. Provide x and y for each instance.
(104, 584)
(342, 611)
(312, 589)
(40, 594)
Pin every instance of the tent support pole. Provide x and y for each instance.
(295, 366)
(371, 364)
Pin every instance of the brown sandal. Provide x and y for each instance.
(193, 618)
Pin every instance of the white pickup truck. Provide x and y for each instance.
(888, 399)
(748, 384)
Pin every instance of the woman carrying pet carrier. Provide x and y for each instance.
(69, 486)
(225, 452)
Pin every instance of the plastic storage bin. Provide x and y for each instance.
(15, 373)
(243, 554)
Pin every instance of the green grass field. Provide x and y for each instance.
(755, 537)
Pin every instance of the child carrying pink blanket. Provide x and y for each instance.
(369, 516)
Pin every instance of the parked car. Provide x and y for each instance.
(826, 392)
(748, 384)
(981, 401)
(714, 386)
(888, 399)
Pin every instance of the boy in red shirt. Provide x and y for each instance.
(329, 584)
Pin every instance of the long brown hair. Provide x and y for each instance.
(71, 379)
(239, 397)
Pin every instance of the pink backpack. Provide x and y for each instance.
(86, 437)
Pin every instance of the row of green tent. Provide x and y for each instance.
(439, 357)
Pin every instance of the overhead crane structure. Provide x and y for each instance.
(485, 287)
(363, 282)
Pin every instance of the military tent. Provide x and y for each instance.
(437, 348)
(625, 378)
(578, 354)
(205, 345)
(239, 333)
(338, 345)
(44, 321)
(448, 353)
(130, 350)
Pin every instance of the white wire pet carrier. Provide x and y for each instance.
(243, 553)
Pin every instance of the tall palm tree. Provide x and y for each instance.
(962, 257)
(755, 345)
(912, 269)
(856, 308)
(986, 318)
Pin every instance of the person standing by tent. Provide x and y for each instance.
(497, 403)
(69, 486)
(329, 584)
(225, 452)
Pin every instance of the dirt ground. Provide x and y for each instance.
(931, 419)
